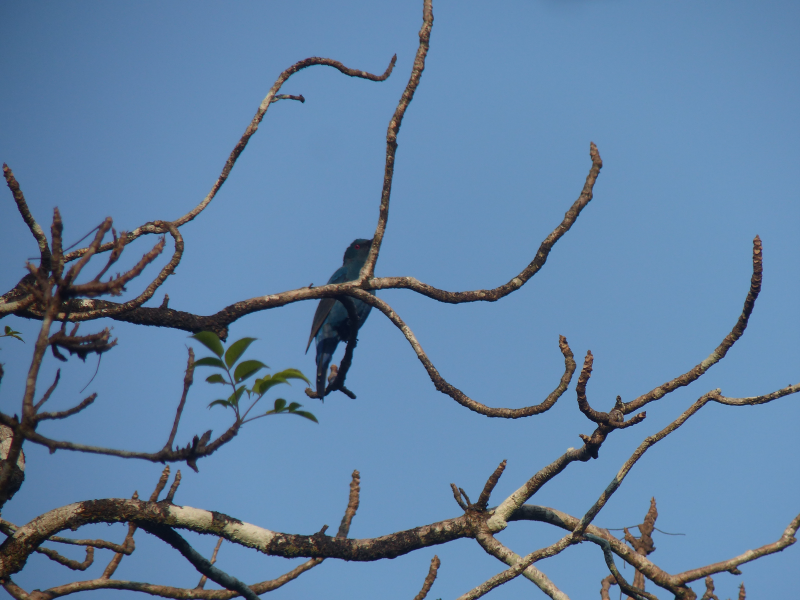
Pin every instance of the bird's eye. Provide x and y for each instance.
(357, 246)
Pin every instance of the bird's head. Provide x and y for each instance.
(357, 251)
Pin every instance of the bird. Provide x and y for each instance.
(331, 324)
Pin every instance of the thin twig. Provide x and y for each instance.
(174, 487)
(483, 499)
(63, 414)
(49, 391)
(368, 270)
(188, 379)
(201, 584)
(429, 578)
(27, 217)
(352, 505)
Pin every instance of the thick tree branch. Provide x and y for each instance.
(15, 550)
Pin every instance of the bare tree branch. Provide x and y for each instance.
(9, 528)
(203, 578)
(368, 270)
(49, 391)
(27, 217)
(754, 400)
(188, 379)
(160, 227)
(446, 388)
(787, 539)
(720, 351)
(429, 579)
(198, 561)
(63, 414)
(72, 564)
(518, 566)
(636, 593)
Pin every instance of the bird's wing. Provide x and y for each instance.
(325, 305)
(323, 310)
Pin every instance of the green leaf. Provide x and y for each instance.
(215, 378)
(292, 374)
(265, 383)
(209, 361)
(247, 369)
(11, 333)
(210, 340)
(236, 349)
(293, 406)
(258, 383)
(233, 399)
(306, 414)
(280, 403)
(224, 403)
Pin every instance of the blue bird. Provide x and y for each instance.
(331, 325)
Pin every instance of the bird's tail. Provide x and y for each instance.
(325, 350)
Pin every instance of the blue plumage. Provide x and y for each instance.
(331, 325)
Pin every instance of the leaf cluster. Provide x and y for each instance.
(234, 375)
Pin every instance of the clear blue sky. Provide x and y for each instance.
(129, 110)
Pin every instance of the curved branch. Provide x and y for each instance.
(517, 282)
(446, 388)
(720, 351)
(159, 227)
(219, 322)
(68, 562)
